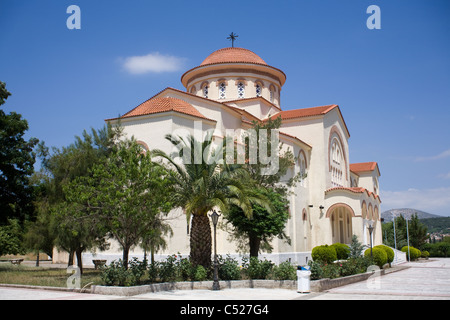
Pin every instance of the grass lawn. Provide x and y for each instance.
(41, 276)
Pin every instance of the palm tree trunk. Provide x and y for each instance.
(201, 241)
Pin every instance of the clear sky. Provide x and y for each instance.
(392, 84)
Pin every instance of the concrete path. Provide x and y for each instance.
(423, 280)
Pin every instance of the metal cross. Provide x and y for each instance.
(232, 37)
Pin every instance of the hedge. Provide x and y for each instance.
(324, 253)
(413, 252)
(379, 256)
(389, 252)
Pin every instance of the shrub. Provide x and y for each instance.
(137, 270)
(257, 269)
(389, 252)
(168, 269)
(185, 269)
(200, 273)
(425, 254)
(284, 271)
(330, 270)
(324, 253)
(228, 268)
(379, 256)
(355, 265)
(116, 275)
(342, 250)
(413, 252)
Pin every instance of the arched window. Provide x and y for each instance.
(241, 90)
(336, 164)
(271, 93)
(258, 90)
(222, 90)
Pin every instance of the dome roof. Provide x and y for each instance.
(235, 59)
(230, 55)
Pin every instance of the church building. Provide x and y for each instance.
(228, 90)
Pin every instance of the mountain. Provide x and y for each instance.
(406, 213)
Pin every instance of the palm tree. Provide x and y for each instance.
(207, 184)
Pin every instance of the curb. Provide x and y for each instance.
(25, 286)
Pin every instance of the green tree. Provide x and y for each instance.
(417, 232)
(54, 212)
(201, 183)
(124, 195)
(264, 225)
(16, 164)
(11, 238)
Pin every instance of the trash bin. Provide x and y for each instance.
(303, 279)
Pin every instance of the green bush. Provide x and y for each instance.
(413, 252)
(379, 256)
(200, 273)
(342, 250)
(284, 271)
(228, 268)
(185, 270)
(116, 275)
(257, 269)
(425, 254)
(321, 270)
(389, 252)
(324, 253)
(168, 269)
(355, 265)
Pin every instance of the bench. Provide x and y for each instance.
(98, 263)
(16, 261)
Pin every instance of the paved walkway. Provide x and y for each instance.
(423, 280)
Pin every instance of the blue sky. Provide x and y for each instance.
(392, 84)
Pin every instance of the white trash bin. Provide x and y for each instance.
(303, 279)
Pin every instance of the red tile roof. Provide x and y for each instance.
(233, 55)
(164, 104)
(363, 166)
(305, 112)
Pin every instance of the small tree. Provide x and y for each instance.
(16, 165)
(356, 248)
(264, 225)
(124, 195)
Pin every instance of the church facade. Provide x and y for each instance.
(227, 91)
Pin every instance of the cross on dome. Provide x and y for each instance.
(232, 37)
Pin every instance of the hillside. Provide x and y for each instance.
(437, 225)
(406, 213)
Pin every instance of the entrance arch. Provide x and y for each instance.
(340, 215)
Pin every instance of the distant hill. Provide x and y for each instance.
(437, 225)
(406, 213)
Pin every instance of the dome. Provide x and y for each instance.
(233, 55)
(234, 60)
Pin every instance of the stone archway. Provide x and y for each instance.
(340, 215)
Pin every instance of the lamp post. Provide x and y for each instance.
(370, 235)
(215, 218)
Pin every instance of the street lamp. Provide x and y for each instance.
(370, 235)
(215, 218)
